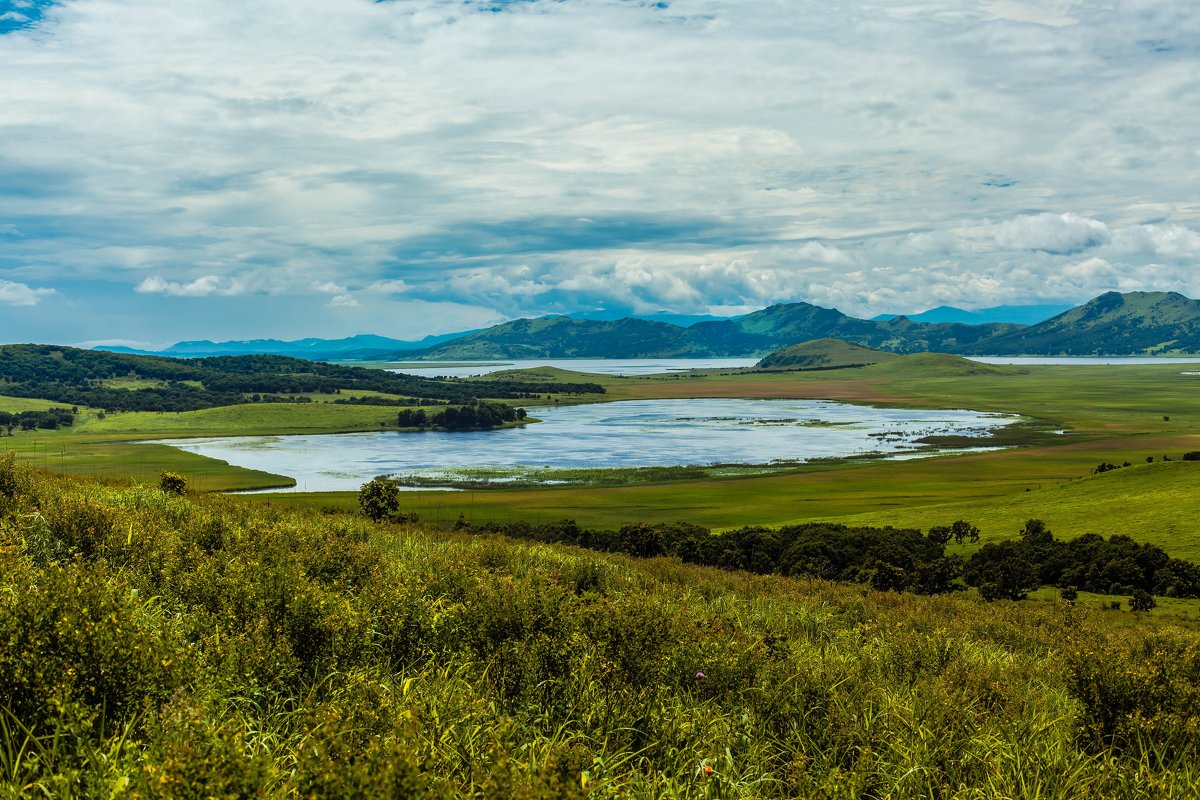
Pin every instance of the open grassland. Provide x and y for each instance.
(1113, 413)
(157, 644)
(109, 445)
(1154, 503)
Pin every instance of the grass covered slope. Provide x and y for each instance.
(823, 354)
(1151, 502)
(159, 646)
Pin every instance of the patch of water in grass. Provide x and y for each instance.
(622, 435)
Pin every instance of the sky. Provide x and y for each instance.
(288, 168)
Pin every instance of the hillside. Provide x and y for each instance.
(1135, 323)
(1018, 315)
(823, 354)
(163, 644)
(152, 383)
(565, 337)
(758, 333)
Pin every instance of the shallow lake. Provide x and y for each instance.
(634, 433)
(600, 366)
(653, 366)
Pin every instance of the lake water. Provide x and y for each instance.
(653, 366)
(601, 366)
(1084, 361)
(622, 434)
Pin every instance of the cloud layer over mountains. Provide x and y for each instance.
(293, 167)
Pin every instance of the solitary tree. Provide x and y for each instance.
(964, 531)
(1142, 601)
(379, 498)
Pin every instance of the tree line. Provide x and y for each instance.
(480, 415)
(895, 559)
(48, 419)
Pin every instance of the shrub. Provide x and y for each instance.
(172, 483)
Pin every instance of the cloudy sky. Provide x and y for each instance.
(288, 168)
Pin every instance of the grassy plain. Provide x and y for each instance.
(1109, 413)
(113, 445)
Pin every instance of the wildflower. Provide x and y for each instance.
(707, 770)
(700, 676)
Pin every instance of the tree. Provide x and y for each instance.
(964, 531)
(1142, 601)
(1069, 594)
(1011, 578)
(379, 498)
(940, 534)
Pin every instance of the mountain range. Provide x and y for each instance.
(1135, 323)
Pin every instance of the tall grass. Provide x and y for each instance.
(157, 646)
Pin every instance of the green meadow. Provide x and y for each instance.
(206, 646)
(1080, 416)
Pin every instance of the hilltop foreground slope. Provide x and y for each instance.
(164, 646)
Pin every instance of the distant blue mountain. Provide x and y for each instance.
(363, 346)
(1019, 315)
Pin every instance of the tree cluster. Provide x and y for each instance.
(1116, 565)
(49, 419)
(887, 558)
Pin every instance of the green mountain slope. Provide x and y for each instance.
(823, 354)
(758, 333)
(1135, 323)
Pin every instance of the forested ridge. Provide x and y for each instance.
(86, 378)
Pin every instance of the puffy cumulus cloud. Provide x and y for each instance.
(19, 294)
(343, 301)
(1168, 241)
(542, 156)
(203, 286)
(1062, 234)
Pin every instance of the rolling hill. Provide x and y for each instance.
(823, 354)
(1135, 323)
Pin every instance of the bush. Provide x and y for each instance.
(172, 483)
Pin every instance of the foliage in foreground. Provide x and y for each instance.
(171, 646)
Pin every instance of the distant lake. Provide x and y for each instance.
(1082, 360)
(621, 434)
(654, 366)
(601, 366)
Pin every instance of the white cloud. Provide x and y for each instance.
(1053, 233)
(555, 156)
(19, 294)
(342, 301)
(203, 286)
(395, 286)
